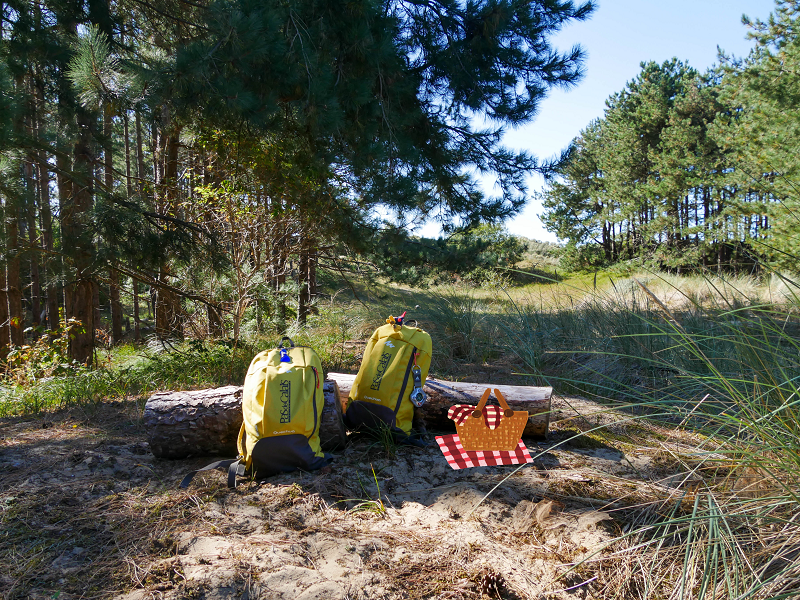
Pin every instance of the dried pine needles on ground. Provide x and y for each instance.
(87, 512)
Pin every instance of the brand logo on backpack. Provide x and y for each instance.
(382, 364)
(286, 403)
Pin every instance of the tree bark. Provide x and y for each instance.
(116, 307)
(444, 394)
(279, 278)
(13, 289)
(302, 281)
(113, 291)
(168, 308)
(5, 333)
(79, 295)
(207, 422)
(312, 278)
(46, 218)
(64, 184)
(215, 329)
(96, 305)
(139, 156)
(128, 182)
(137, 334)
(33, 241)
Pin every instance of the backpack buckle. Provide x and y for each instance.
(418, 396)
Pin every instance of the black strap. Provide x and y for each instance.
(291, 342)
(220, 464)
(235, 468)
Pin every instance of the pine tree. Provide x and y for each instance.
(761, 132)
(388, 91)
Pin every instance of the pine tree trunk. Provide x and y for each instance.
(302, 280)
(79, 300)
(166, 308)
(79, 295)
(128, 181)
(36, 285)
(137, 334)
(139, 156)
(13, 289)
(113, 291)
(312, 279)
(33, 241)
(46, 218)
(215, 329)
(116, 307)
(98, 320)
(63, 167)
(279, 277)
(5, 331)
(175, 308)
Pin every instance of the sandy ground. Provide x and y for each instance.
(88, 512)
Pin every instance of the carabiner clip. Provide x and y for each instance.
(418, 395)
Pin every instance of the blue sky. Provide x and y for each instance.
(620, 35)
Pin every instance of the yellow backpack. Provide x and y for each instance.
(282, 403)
(389, 382)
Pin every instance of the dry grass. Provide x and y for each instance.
(73, 524)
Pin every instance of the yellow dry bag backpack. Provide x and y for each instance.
(390, 380)
(282, 403)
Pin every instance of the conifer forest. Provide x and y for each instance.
(690, 170)
(196, 161)
(203, 159)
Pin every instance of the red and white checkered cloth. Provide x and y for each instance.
(458, 458)
(459, 413)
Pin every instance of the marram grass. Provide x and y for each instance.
(732, 373)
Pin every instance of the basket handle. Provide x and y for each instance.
(507, 412)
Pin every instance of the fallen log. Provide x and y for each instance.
(207, 422)
(444, 394)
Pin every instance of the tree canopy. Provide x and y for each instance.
(208, 157)
(690, 170)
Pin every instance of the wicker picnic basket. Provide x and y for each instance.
(476, 435)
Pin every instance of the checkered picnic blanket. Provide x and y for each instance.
(458, 458)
